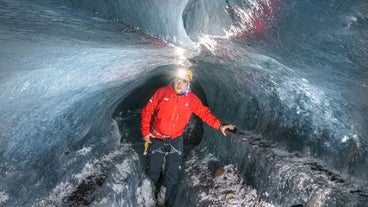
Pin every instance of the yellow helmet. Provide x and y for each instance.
(184, 74)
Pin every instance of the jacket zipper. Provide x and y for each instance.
(173, 115)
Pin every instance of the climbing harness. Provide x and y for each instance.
(154, 131)
(167, 148)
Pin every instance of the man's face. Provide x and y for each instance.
(180, 85)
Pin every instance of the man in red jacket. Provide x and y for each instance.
(164, 119)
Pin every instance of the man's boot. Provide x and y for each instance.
(161, 197)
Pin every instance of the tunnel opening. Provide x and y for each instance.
(128, 112)
(128, 115)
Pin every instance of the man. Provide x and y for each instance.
(163, 122)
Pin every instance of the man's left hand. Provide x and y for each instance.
(223, 128)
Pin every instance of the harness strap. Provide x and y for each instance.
(165, 151)
(159, 134)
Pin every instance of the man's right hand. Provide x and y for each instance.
(147, 138)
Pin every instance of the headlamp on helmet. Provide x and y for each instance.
(184, 74)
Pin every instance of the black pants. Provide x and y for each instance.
(164, 158)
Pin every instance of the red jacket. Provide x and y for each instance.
(169, 113)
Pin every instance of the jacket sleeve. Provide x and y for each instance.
(147, 112)
(204, 113)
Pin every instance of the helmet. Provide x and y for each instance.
(185, 74)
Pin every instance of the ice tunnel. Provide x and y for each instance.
(291, 76)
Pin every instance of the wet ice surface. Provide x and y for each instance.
(106, 181)
(280, 177)
(223, 185)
